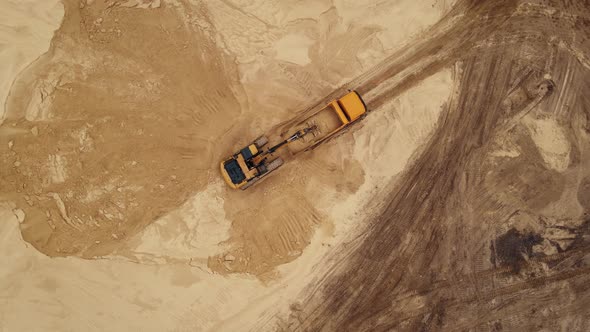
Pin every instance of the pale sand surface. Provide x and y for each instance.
(26, 30)
(164, 276)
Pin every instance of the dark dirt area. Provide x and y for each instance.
(514, 248)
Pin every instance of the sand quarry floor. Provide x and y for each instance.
(461, 202)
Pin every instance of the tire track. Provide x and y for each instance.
(401, 243)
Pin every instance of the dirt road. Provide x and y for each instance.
(115, 118)
(440, 221)
(454, 35)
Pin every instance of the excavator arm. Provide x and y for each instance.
(299, 134)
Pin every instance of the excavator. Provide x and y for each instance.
(252, 163)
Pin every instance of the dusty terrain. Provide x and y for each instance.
(462, 201)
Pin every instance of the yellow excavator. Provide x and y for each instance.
(252, 163)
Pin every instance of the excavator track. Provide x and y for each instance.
(272, 166)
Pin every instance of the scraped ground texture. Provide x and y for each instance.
(488, 228)
(461, 202)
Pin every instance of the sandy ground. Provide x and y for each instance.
(461, 202)
(111, 140)
(26, 32)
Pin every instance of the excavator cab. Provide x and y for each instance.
(251, 163)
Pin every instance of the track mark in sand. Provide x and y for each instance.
(494, 294)
(333, 172)
(399, 251)
(272, 223)
(122, 154)
(265, 236)
(240, 10)
(468, 23)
